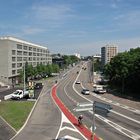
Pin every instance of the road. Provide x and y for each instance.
(45, 120)
(122, 122)
(48, 121)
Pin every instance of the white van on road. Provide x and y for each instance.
(99, 89)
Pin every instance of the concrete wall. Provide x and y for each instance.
(3, 60)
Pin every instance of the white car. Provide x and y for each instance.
(85, 91)
(77, 82)
(99, 89)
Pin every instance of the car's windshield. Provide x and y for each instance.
(16, 92)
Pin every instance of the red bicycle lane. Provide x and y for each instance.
(86, 132)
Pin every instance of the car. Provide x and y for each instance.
(19, 94)
(85, 91)
(99, 89)
(38, 86)
(77, 82)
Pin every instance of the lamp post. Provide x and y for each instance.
(24, 78)
(93, 124)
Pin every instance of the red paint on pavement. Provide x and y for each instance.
(87, 133)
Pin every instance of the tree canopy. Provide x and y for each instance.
(124, 71)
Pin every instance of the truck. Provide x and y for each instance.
(99, 89)
(19, 94)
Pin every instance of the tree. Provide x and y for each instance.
(124, 71)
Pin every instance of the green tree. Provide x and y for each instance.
(124, 70)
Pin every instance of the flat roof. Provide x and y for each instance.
(21, 41)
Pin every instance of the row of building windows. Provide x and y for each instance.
(24, 47)
(28, 53)
(29, 59)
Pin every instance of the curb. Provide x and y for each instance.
(28, 116)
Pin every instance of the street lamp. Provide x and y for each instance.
(24, 78)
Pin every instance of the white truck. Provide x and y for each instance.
(19, 94)
(99, 89)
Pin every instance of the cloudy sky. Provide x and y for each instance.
(70, 26)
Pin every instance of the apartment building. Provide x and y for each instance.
(107, 53)
(13, 55)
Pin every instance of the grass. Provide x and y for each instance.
(15, 112)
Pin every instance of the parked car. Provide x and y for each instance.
(19, 94)
(38, 86)
(77, 82)
(85, 91)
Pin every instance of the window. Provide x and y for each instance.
(30, 59)
(13, 72)
(19, 52)
(30, 48)
(13, 65)
(19, 58)
(25, 59)
(13, 52)
(34, 49)
(13, 59)
(25, 47)
(19, 46)
(25, 53)
(30, 53)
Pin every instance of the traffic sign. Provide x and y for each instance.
(102, 105)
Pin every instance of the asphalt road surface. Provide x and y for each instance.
(44, 121)
(123, 122)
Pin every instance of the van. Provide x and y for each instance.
(99, 89)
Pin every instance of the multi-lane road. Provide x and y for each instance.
(47, 121)
(122, 123)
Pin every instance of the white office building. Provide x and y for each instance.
(13, 55)
(107, 53)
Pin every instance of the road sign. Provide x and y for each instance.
(102, 105)
(99, 107)
(87, 108)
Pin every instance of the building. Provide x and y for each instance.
(107, 53)
(13, 55)
(97, 57)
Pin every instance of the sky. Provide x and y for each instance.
(73, 26)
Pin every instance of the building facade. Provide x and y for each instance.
(107, 53)
(13, 55)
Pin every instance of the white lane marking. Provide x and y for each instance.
(125, 116)
(134, 136)
(68, 128)
(70, 137)
(65, 118)
(67, 92)
(60, 124)
(121, 129)
(117, 112)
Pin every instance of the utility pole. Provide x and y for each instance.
(93, 124)
(24, 78)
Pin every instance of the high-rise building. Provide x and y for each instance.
(13, 55)
(107, 53)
